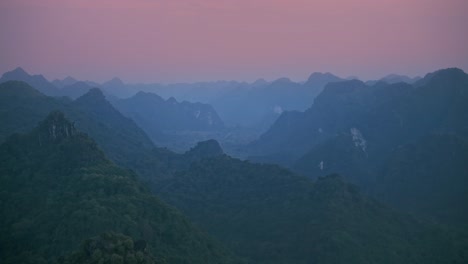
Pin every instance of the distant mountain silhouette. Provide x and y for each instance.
(395, 78)
(117, 87)
(75, 89)
(263, 102)
(65, 82)
(37, 81)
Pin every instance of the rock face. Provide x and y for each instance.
(55, 128)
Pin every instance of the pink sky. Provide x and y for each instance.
(182, 40)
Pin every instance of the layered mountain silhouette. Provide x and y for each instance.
(156, 115)
(65, 82)
(354, 129)
(37, 81)
(75, 89)
(403, 144)
(395, 78)
(263, 102)
(121, 139)
(402, 111)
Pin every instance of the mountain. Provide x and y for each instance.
(75, 89)
(120, 137)
(65, 82)
(58, 189)
(118, 88)
(387, 115)
(345, 154)
(356, 130)
(22, 107)
(169, 123)
(394, 78)
(317, 81)
(37, 81)
(269, 215)
(261, 101)
(111, 247)
(156, 115)
(294, 133)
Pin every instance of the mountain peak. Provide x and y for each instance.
(282, 80)
(449, 72)
(19, 70)
(142, 96)
(320, 75)
(69, 81)
(94, 93)
(206, 149)
(18, 73)
(55, 127)
(321, 79)
(259, 82)
(172, 100)
(114, 82)
(443, 75)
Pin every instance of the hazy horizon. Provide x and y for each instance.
(179, 41)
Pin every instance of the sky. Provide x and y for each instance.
(204, 40)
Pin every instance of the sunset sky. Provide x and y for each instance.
(184, 41)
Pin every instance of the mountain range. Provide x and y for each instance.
(90, 174)
(58, 189)
(356, 130)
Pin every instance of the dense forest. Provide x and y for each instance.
(371, 172)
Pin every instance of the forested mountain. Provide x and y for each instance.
(270, 215)
(111, 247)
(354, 129)
(22, 107)
(58, 189)
(404, 144)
